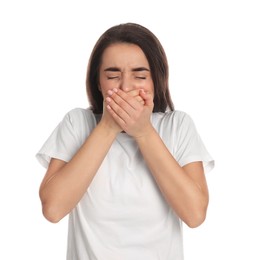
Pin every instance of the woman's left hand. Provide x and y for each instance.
(131, 114)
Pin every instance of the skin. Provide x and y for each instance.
(128, 90)
(125, 68)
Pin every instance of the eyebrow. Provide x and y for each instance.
(115, 69)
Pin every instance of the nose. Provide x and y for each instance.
(126, 84)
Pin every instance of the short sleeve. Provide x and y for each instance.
(190, 147)
(61, 144)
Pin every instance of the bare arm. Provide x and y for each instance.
(65, 183)
(185, 189)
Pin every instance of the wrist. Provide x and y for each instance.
(146, 135)
(107, 127)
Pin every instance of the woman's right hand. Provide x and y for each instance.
(108, 120)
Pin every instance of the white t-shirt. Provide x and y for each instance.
(123, 215)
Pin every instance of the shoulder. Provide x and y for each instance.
(80, 118)
(175, 118)
(81, 121)
(79, 114)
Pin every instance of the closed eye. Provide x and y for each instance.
(141, 77)
(115, 77)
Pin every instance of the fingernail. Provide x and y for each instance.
(108, 99)
(115, 90)
(109, 92)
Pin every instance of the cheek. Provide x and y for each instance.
(105, 85)
(149, 86)
(144, 84)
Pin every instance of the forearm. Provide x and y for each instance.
(63, 190)
(182, 193)
(184, 188)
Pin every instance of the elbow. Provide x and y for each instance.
(196, 217)
(196, 220)
(50, 209)
(198, 213)
(51, 214)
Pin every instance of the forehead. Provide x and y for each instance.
(124, 54)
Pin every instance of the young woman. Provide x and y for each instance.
(129, 169)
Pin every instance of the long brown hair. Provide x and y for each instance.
(154, 52)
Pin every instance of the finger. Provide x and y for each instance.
(141, 101)
(117, 100)
(115, 116)
(116, 110)
(135, 93)
(147, 97)
(125, 101)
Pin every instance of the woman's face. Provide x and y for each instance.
(125, 66)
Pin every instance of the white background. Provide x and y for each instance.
(215, 55)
